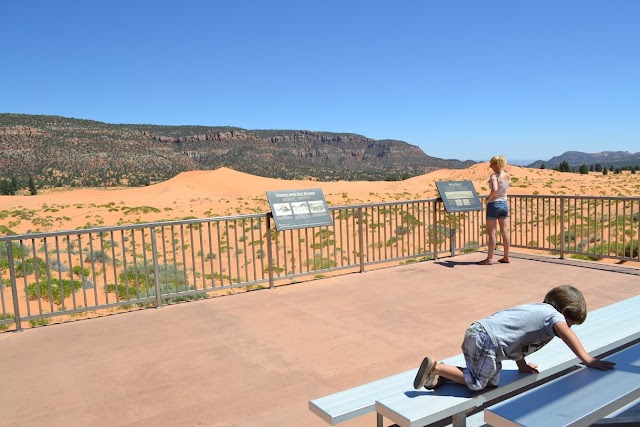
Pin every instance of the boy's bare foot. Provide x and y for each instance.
(485, 262)
(504, 261)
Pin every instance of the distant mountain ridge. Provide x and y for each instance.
(60, 151)
(617, 159)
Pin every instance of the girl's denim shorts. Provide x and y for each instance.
(497, 210)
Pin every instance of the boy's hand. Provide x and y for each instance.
(530, 368)
(603, 365)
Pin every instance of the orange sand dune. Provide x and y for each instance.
(225, 192)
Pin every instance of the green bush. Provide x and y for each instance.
(80, 271)
(98, 256)
(124, 292)
(631, 249)
(470, 246)
(39, 322)
(6, 316)
(58, 288)
(30, 265)
(318, 263)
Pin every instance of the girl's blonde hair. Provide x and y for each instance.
(501, 161)
(569, 301)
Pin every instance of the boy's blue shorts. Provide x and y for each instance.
(497, 210)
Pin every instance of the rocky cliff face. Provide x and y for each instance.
(62, 151)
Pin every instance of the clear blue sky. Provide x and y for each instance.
(461, 79)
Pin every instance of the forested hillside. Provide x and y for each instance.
(59, 151)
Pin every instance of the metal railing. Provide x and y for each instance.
(584, 227)
(68, 274)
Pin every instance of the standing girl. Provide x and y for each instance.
(498, 209)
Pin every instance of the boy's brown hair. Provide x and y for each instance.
(569, 301)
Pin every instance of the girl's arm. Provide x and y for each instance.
(571, 340)
(493, 186)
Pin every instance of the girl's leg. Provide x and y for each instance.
(506, 241)
(491, 233)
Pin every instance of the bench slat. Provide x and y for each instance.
(361, 400)
(576, 399)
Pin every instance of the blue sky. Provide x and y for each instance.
(460, 79)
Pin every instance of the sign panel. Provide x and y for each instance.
(299, 208)
(459, 196)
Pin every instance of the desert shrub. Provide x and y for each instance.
(7, 316)
(39, 322)
(438, 233)
(59, 289)
(98, 256)
(392, 241)
(470, 246)
(319, 263)
(58, 266)
(80, 271)
(6, 231)
(569, 236)
(30, 265)
(323, 244)
(140, 210)
(631, 249)
(402, 230)
(15, 250)
(123, 292)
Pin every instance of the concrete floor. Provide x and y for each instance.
(256, 359)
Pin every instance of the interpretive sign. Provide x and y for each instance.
(459, 196)
(299, 208)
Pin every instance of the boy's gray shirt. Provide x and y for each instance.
(519, 331)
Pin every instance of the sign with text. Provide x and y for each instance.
(459, 196)
(299, 208)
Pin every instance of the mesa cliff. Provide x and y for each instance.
(59, 151)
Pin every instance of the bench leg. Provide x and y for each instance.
(379, 420)
(459, 419)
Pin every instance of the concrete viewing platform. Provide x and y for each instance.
(257, 358)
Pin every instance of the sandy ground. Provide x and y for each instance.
(225, 192)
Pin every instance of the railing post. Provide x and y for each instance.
(452, 241)
(14, 288)
(561, 227)
(269, 252)
(361, 239)
(435, 230)
(156, 271)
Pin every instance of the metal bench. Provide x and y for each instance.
(605, 330)
(354, 402)
(576, 399)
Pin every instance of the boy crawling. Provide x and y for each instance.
(512, 334)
